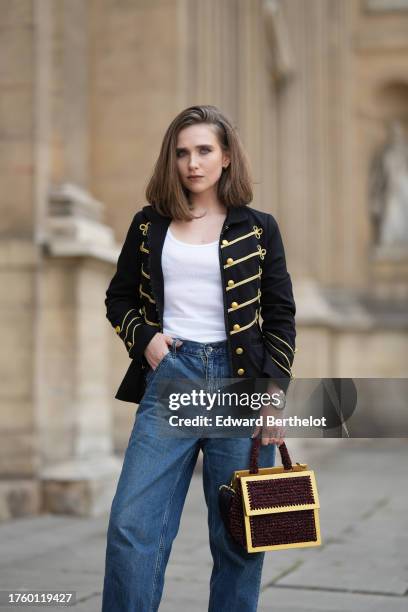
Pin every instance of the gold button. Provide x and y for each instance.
(117, 329)
(225, 242)
(241, 371)
(129, 344)
(230, 283)
(234, 305)
(239, 350)
(230, 260)
(236, 327)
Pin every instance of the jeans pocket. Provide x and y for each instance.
(150, 374)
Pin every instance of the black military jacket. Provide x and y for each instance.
(256, 285)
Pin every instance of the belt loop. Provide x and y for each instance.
(173, 346)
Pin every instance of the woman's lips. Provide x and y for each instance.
(194, 178)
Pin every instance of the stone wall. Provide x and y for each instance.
(87, 90)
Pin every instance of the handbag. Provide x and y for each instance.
(271, 508)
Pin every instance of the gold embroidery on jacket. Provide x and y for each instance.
(280, 365)
(246, 280)
(279, 351)
(124, 318)
(143, 249)
(261, 251)
(142, 293)
(128, 325)
(255, 299)
(244, 327)
(237, 261)
(147, 320)
(257, 231)
(133, 336)
(145, 274)
(144, 227)
(280, 339)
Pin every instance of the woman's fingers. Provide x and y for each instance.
(256, 432)
(157, 348)
(280, 436)
(270, 435)
(273, 435)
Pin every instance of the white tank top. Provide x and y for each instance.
(193, 298)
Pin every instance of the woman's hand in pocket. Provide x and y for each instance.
(158, 348)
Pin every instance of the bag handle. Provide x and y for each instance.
(253, 462)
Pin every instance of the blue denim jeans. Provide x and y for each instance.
(151, 491)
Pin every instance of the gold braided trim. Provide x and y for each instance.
(279, 351)
(260, 251)
(143, 249)
(124, 319)
(237, 261)
(255, 299)
(280, 365)
(146, 295)
(144, 227)
(257, 232)
(133, 337)
(145, 274)
(147, 320)
(244, 327)
(246, 280)
(127, 328)
(280, 339)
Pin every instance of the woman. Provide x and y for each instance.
(197, 269)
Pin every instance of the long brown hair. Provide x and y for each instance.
(165, 191)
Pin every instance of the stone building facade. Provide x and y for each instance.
(87, 89)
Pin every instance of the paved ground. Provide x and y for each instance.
(361, 566)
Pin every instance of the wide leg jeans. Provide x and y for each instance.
(151, 491)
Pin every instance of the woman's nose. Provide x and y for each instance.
(193, 162)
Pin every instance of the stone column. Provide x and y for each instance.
(78, 470)
(55, 435)
(25, 76)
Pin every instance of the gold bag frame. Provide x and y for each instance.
(241, 478)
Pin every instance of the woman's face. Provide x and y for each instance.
(200, 155)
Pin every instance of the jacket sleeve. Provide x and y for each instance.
(123, 307)
(277, 310)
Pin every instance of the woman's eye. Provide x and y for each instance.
(203, 150)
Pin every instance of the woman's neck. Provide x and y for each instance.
(207, 205)
(209, 211)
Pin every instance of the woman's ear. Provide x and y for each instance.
(226, 161)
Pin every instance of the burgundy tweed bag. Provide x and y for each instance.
(272, 508)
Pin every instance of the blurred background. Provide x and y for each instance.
(318, 90)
